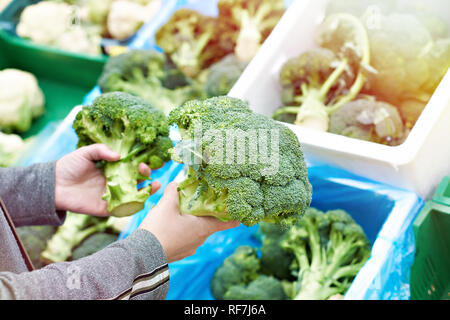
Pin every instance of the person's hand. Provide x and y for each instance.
(79, 184)
(180, 234)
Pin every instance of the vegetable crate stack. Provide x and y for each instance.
(364, 84)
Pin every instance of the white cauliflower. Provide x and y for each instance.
(58, 24)
(11, 148)
(21, 100)
(126, 16)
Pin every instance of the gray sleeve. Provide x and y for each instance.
(133, 268)
(29, 194)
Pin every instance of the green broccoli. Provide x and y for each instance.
(262, 288)
(240, 268)
(190, 39)
(92, 244)
(34, 239)
(329, 248)
(148, 74)
(368, 119)
(75, 229)
(274, 260)
(134, 129)
(245, 24)
(320, 81)
(21, 100)
(242, 165)
(223, 75)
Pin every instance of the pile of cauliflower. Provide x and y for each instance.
(79, 25)
(21, 101)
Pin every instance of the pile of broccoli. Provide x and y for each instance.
(135, 130)
(315, 259)
(241, 165)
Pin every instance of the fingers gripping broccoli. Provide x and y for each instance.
(189, 39)
(248, 23)
(246, 166)
(329, 249)
(147, 74)
(134, 129)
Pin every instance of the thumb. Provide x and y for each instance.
(98, 151)
(170, 200)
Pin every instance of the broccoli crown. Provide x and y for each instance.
(262, 288)
(92, 244)
(148, 74)
(34, 239)
(134, 129)
(329, 248)
(245, 24)
(223, 75)
(246, 166)
(190, 40)
(240, 268)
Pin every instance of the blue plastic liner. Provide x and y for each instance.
(384, 212)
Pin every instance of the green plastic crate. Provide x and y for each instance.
(64, 77)
(430, 272)
(442, 194)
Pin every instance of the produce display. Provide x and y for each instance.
(315, 259)
(368, 78)
(79, 25)
(134, 129)
(368, 75)
(264, 180)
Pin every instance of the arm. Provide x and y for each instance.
(29, 194)
(133, 268)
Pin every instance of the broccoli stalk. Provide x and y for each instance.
(76, 228)
(329, 249)
(137, 132)
(318, 89)
(253, 20)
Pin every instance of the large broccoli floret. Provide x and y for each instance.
(240, 268)
(274, 259)
(92, 244)
(223, 75)
(147, 74)
(21, 100)
(190, 40)
(262, 288)
(368, 119)
(329, 248)
(134, 129)
(320, 81)
(245, 24)
(34, 239)
(245, 166)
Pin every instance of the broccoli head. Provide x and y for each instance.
(92, 244)
(148, 74)
(34, 239)
(329, 248)
(245, 24)
(368, 119)
(240, 268)
(134, 129)
(242, 165)
(223, 75)
(190, 40)
(320, 81)
(262, 288)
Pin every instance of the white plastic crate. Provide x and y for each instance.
(417, 165)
